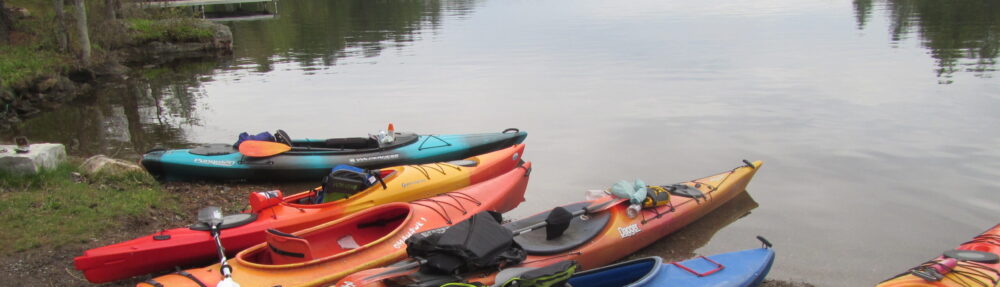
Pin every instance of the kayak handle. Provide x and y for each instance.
(709, 272)
(511, 130)
(764, 241)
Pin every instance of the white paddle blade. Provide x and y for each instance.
(228, 282)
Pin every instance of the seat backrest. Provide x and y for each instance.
(286, 248)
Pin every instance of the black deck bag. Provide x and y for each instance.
(475, 244)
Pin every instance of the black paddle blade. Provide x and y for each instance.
(557, 222)
(211, 215)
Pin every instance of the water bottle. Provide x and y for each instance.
(633, 210)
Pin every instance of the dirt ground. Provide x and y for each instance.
(54, 267)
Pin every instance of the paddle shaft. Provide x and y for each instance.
(226, 270)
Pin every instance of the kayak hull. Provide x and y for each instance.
(184, 246)
(182, 164)
(740, 269)
(499, 194)
(965, 273)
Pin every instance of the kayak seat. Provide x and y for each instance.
(281, 136)
(578, 232)
(287, 248)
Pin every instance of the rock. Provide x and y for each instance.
(39, 157)
(77, 177)
(19, 13)
(45, 84)
(100, 163)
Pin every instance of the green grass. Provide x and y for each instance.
(19, 64)
(51, 210)
(148, 30)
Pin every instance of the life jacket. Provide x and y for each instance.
(477, 243)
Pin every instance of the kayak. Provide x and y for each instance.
(735, 269)
(311, 159)
(973, 263)
(194, 245)
(371, 238)
(599, 232)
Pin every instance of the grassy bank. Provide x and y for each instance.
(23, 63)
(53, 209)
(33, 51)
(179, 30)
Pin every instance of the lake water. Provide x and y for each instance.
(877, 120)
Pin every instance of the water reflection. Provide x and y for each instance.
(682, 244)
(318, 33)
(156, 106)
(122, 119)
(962, 36)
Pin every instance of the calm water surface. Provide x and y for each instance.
(877, 120)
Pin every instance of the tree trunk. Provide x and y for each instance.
(61, 37)
(5, 24)
(110, 10)
(82, 33)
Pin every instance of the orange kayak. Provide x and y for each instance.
(601, 235)
(191, 246)
(974, 263)
(371, 238)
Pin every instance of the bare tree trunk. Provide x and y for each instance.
(5, 24)
(82, 33)
(61, 37)
(110, 9)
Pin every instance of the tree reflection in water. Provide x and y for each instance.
(962, 35)
(155, 105)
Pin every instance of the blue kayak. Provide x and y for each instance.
(741, 268)
(311, 159)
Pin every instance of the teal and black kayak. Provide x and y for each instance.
(311, 159)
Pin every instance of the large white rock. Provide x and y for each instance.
(39, 157)
(99, 163)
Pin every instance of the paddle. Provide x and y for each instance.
(262, 148)
(212, 216)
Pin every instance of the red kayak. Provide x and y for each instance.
(194, 245)
(371, 238)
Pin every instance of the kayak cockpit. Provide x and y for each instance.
(581, 230)
(354, 233)
(353, 144)
(629, 273)
(309, 198)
